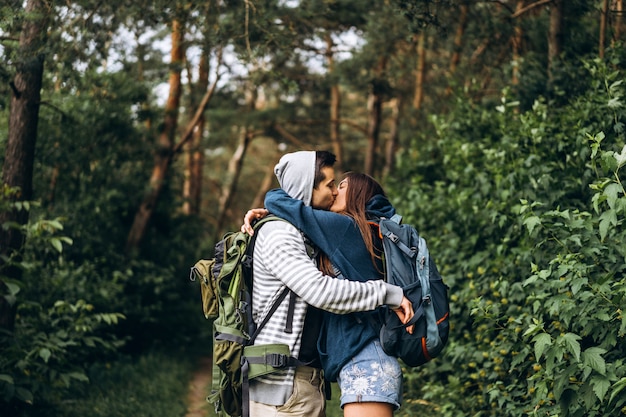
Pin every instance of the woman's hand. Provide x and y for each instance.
(251, 215)
(405, 313)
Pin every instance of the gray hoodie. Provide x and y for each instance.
(296, 175)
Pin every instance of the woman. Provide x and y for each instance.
(370, 380)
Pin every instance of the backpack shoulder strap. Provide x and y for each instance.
(385, 230)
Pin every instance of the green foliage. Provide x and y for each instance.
(524, 212)
(153, 385)
(53, 339)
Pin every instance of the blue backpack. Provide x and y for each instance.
(408, 264)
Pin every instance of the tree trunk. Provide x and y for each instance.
(619, 15)
(374, 109)
(164, 154)
(603, 20)
(555, 37)
(374, 116)
(420, 73)
(17, 170)
(232, 177)
(392, 143)
(192, 188)
(458, 38)
(517, 45)
(335, 104)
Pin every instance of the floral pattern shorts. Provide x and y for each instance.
(371, 376)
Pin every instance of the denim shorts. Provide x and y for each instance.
(371, 376)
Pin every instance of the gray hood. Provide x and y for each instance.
(296, 174)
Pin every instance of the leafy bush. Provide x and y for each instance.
(523, 212)
(54, 339)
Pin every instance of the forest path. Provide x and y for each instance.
(199, 388)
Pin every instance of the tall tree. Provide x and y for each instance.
(194, 155)
(420, 71)
(555, 36)
(394, 136)
(618, 21)
(163, 155)
(374, 115)
(235, 164)
(17, 170)
(335, 104)
(604, 16)
(516, 42)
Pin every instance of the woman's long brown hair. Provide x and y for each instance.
(361, 188)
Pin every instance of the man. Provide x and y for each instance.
(281, 260)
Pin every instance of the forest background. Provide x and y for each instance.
(133, 134)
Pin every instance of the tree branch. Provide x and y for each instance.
(529, 7)
(291, 138)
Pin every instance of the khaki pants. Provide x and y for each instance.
(307, 400)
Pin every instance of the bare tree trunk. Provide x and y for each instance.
(392, 142)
(335, 103)
(555, 36)
(192, 188)
(234, 166)
(374, 116)
(164, 154)
(517, 45)
(619, 15)
(458, 38)
(603, 20)
(17, 170)
(420, 73)
(374, 110)
(232, 177)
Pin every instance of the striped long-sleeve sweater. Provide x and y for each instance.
(281, 260)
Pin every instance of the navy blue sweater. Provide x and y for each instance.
(338, 236)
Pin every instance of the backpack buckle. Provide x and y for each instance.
(426, 299)
(276, 360)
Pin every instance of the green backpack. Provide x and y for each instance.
(226, 290)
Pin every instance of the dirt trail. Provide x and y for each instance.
(198, 390)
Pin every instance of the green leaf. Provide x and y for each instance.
(621, 158)
(542, 341)
(6, 378)
(601, 385)
(532, 222)
(24, 395)
(56, 243)
(611, 192)
(577, 284)
(534, 328)
(604, 228)
(570, 341)
(592, 357)
(56, 224)
(12, 287)
(80, 376)
(617, 388)
(545, 274)
(45, 354)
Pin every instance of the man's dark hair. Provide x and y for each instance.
(322, 159)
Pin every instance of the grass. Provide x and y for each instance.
(154, 385)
